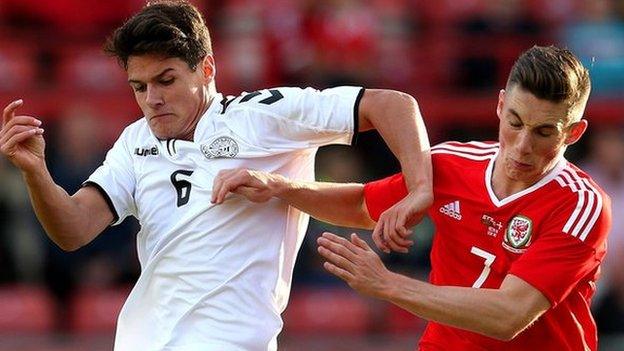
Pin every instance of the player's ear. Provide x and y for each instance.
(208, 68)
(575, 132)
(501, 103)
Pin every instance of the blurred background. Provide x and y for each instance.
(452, 55)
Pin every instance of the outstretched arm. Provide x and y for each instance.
(70, 221)
(335, 203)
(498, 313)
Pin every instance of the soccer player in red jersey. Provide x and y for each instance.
(520, 231)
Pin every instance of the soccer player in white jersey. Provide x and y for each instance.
(213, 277)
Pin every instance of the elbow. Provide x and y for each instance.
(508, 328)
(398, 98)
(69, 246)
(503, 334)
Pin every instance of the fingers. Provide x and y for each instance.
(223, 183)
(337, 271)
(334, 258)
(389, 231)
(390, 234)
(6, 135)
(20, 121)
(338, 240)
(9, 111)
(336, 245)
(378, 239)
(229, 180)
(217, 183)
(15, 138)
(402, 226)
(355, 239)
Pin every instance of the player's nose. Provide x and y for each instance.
(524, 142)
(153, 97)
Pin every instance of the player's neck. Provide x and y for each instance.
(209, 95)
(504, 186)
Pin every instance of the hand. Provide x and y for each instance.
(355, 263)
(256, 186)
(21, 138)
(391, 230)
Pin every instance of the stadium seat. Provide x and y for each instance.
(26, 309)
(18, 67)
(400, 321)
(87, 67)
(330, 311)
(95, 311)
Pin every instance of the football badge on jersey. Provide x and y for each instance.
(518, 234)
(222, 147)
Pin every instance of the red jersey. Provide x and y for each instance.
(552, 235)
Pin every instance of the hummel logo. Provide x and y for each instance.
(452, 210)
(152, 151)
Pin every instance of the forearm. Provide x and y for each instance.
(485, 311)
(397, 118)
(62, 218)
(335, 203)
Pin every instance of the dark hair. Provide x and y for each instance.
(551, 73)
(169, 28)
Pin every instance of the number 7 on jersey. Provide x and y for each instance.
(489, 259)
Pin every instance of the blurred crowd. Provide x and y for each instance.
(452, 55)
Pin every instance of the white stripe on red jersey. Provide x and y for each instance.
(588, 206)
(477, 151)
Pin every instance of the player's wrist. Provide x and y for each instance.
(35, 170)
(389, 286)
(423, 196)
(279, 185)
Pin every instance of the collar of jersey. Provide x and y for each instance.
(202, 129)
(547, 178)
(204, 125)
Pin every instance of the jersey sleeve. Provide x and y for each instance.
(382, 194)
(115, 180)
(295, 118)
(561, 256)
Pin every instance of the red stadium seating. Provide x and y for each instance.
(17, 65)
(95, 310)
(400, 321)
(25, 309)
(329, 311)
(87, 67)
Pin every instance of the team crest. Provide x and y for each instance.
(518, 234)
(223, 147)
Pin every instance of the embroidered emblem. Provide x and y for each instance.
(223, 147)
(518, 234)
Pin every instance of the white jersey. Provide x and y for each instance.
(217, 277)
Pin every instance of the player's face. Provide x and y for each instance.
(533, 135)
(171, 95)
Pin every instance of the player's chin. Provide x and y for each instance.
(517, 175)
(524, 177)
(160, 130)
(162, 135)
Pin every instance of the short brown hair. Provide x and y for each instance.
(551, 73)
(169, 28)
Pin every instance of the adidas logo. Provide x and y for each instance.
(452, 210)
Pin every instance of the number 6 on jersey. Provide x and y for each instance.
(489, 259)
